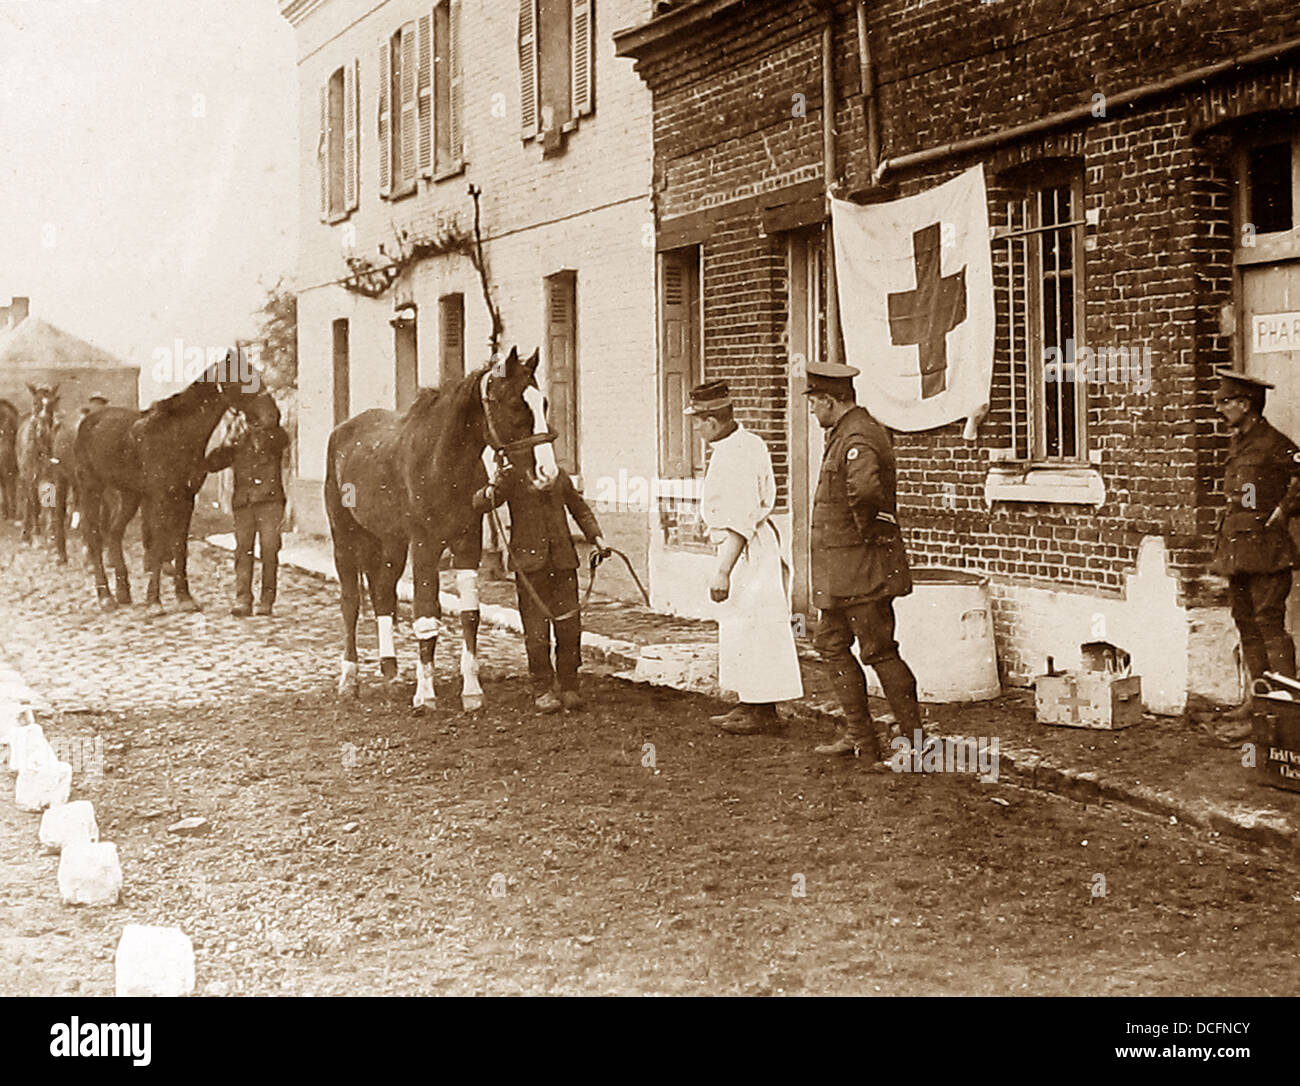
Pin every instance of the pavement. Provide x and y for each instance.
(1165, 766)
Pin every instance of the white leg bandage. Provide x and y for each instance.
(385, 624)
(349, 680)
(467, 589)
(425, 628)
(469, 674)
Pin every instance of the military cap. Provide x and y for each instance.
(708, 397)
(97, 396)
(1236, 385)
(828, 377)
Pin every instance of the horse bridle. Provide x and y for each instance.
(502, 449)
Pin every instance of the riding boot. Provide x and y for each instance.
(856, 738)
(899, 685)
(266, 601)
(243, 586)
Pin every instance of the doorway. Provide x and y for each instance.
(406, 351)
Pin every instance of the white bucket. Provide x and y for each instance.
(944, 631)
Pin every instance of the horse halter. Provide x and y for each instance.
(503, 449)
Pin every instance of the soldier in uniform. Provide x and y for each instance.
(1253, 548)
(258, 501)
(858, 562)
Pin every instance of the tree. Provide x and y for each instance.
(277, 337)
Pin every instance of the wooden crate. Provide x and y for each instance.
(1277, 742)
(1088, 699)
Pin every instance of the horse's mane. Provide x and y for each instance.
(445, 414)
(186, 400)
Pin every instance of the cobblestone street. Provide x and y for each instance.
(360, 848)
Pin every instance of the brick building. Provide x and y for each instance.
(403, 105)
(1143, 169)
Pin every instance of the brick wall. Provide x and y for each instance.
(727, 112)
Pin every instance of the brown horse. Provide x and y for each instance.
(398, 481)
(42, 477)
(9, 418)
(153, 458)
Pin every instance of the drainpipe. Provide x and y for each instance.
(867, 75)
(831, 173)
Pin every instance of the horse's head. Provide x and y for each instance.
(45, 404)
(515, 413)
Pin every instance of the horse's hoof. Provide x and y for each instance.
(350, 689)
(388, 668)
(471, 703)
(107, 603)
(154, 609)
(420, 704)
(187, 603)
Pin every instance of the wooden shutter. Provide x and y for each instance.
(385, 117)
(678, 366)
(528, 108)
(351, 137)
(583, 69)
(323, 152)
(409, 131)
(451, 332)
(455, 130)
(561, 365)
(424, 92)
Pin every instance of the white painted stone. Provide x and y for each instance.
(682, 666)
(69, 824)
(13, 714)
(90, 874)
(28, 748)
(153, 961)
(44, 786)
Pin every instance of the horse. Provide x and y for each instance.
(395, 482)
(9, 419)
(126, 459)
(42, 477)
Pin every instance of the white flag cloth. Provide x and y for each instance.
(916, 303)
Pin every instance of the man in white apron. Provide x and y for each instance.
(756, 653)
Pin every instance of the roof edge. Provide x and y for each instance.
(661, 31)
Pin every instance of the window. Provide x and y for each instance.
(451, 344)
(562, 365)
(406, 354)
(680, 454)
(336, 151)
(1039, 268)
(342, 377)
(556, 66)
(420, 101)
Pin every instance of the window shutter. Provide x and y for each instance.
(385, 118)
(323, 152)
(424, 92)
(528, 109)
(677, 339)
(583, 69)
(561, 365)
(409, 106)
(455, 131)
(351, 137)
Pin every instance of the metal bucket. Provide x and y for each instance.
(944, 631)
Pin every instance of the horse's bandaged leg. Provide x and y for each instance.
(467, 589)
(385, 624)
(425, 629)
(349, 679)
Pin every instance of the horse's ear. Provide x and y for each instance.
(533, 360)
(54, 393)
(32, 389)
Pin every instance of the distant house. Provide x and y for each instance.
(35, 352)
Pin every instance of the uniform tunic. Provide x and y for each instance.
(857, 549)
(756, 652)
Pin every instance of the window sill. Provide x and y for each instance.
(402, 194)
(336, 217)
(454, 170)
(1044, 483)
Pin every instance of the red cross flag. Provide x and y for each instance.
(916, 303)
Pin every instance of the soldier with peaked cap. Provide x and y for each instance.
(756, 652)
(1253, 548)
(859, 564)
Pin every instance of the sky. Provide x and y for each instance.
(148, 185)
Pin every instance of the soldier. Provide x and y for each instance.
(257, 502)
(858, 562)
(756, 653)
(1254, 549)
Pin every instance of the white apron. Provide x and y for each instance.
(756, 652)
